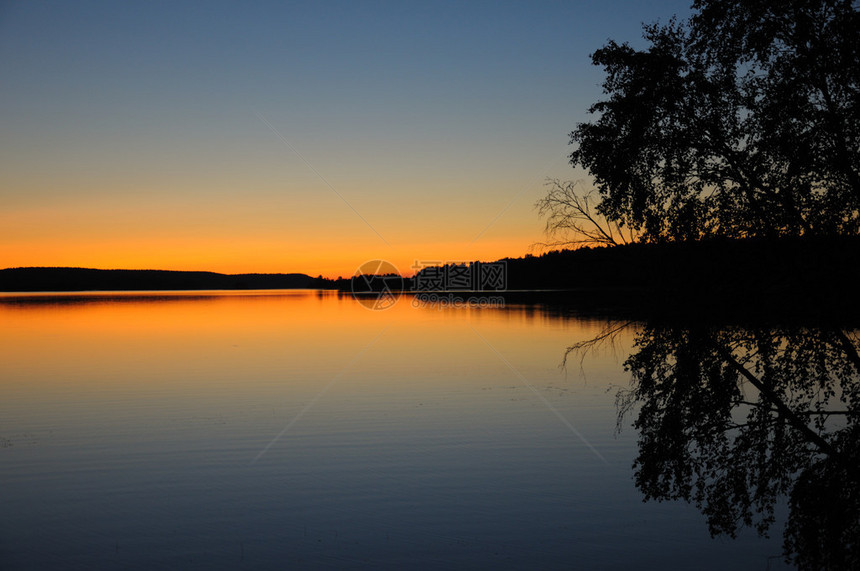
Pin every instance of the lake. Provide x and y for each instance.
(299, 429)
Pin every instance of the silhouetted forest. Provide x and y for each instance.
(745, 280)
(803, 275)
(793, 276)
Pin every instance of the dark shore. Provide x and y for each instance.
(86, 279)
(790, 279)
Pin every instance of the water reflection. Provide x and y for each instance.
(129, 426)
(736, 419)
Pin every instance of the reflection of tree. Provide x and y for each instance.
(824, 529)
(732, 419)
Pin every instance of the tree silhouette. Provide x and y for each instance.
(731, 419)
(742, 121)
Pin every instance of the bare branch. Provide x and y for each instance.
(573, 220)
(607, 335)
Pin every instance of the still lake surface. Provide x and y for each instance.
(300, 429)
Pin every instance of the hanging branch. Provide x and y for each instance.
(572, 218)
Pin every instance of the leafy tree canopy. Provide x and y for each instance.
(742, 121)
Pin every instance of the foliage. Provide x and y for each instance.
(742, 121)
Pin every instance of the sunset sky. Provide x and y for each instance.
(290, 136)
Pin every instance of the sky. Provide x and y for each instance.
(291, 136)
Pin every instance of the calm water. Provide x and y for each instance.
(300, 429)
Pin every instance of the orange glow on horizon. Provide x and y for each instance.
(228, 236)
(225, 255)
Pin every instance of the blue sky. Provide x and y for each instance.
(430, 119)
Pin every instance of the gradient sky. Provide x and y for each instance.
(290, 136)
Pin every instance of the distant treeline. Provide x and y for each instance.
(83, 279)
(796, 277)
(752, 274)
(770, 264)
(805, 276)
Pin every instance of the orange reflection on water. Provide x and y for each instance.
(212, 338)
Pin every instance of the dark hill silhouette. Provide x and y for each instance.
(84, 279)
